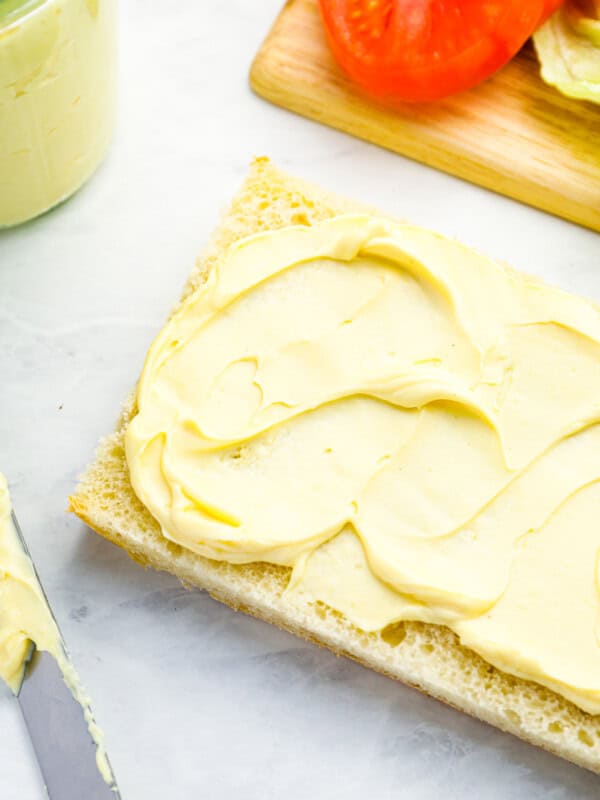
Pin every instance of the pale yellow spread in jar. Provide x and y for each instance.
(57, 100)
(412, 427)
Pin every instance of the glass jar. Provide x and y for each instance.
(57, 99)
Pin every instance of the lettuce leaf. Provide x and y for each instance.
(568, 46)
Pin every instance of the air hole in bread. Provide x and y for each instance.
(584, 737)
(555, 727)
(394, 634)
(300, 219)
(513, 717)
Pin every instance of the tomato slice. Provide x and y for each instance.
(421, 50)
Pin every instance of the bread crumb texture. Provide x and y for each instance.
(427, 657)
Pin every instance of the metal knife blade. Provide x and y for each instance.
(65, 749)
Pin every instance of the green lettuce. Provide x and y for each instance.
(568, 46)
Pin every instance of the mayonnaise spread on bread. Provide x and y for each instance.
(411, 427)
(57, 99)
(25, 618)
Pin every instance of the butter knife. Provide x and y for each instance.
(59, 730)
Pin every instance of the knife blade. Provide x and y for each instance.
(58, 727)
(58, 730)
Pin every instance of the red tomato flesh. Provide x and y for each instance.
(421, 50)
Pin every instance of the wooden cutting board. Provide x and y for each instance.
(513, 133)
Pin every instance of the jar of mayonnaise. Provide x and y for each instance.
(57, 99)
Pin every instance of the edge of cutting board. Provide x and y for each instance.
(512, 134)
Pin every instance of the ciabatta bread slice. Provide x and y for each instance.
(427, 657)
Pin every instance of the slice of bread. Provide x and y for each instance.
(427, 657)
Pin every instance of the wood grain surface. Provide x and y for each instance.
(512, 134)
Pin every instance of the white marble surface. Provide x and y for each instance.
(197, 701)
